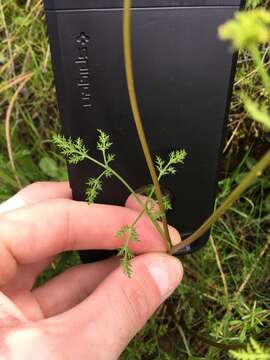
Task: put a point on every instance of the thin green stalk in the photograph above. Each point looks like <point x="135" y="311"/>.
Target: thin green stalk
<point x="101" y="175"/>
<point x="260" y="66"/>
<point x="149" y="197"/>
<point x="130" y="189"/>
<point x="237" y="192"/>
<point x="137" y="218"/>
<point x="137" y="116"/>
<point x="119" y="177"/>
<point x="104" y="157"/>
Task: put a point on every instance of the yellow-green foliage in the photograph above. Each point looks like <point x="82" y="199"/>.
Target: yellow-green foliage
<point x="247" y="28"/>
<point x="246" y="31"/>
<point x="254" y="352"/>
<point x="258" y="113"/>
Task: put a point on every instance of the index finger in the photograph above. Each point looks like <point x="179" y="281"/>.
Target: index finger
<point x="42" y="230"/>
<point x="37" y="192"/>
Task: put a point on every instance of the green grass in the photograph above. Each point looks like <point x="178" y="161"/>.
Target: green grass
<point x="205" y="308"/>
<point x="202" y="307"/>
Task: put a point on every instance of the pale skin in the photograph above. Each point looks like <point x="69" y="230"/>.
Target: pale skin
<point x="91" y="311"/>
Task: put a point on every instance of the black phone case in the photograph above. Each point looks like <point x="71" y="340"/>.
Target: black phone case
<point x="183" y="77"/>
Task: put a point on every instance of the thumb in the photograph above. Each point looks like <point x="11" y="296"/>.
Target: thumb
<point x="120" y="306"/>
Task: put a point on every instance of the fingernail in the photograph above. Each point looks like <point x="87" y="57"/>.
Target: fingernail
<point x="174" y="235"/>
<point x="167" y="272"/>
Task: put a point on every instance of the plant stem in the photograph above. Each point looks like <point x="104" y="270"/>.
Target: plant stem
<point x="101" y="175"/>
<point x="119" y="177"/>
<point x="237" y="192"/>
<point x="138" y="218"/>
<point x="260" y="66"/>
<point x="130" y="189"/>
<point x="104" y="157"/>
<point x="137" y="116"/>
<point x="149" y="198"/>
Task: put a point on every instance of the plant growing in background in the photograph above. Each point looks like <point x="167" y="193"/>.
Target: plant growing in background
<point x="254" y="351"/>
<point x="254" y="3"/>
<point x="248" y="31"/>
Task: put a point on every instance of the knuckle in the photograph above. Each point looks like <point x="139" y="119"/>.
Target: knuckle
<point x="38" y="185"/>
<point x="29" y="193"/>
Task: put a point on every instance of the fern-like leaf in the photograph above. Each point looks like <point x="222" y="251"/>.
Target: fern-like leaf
<point x="94" y="187"/>
<point x="103" y="143"/>
<point x="254" y="351"/>
<point x="129" y="234"/>
<point x="176" y="157"/>
<point x="74" y="150"/>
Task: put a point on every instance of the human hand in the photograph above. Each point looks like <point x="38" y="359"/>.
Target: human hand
<point x="91" y="311"/>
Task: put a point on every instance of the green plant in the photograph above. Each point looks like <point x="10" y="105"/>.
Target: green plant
<point x="253" y="3"/>
<point x="247" y="31"/>
<point x="75" y="152"/>
<point x="253" y="352"/>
